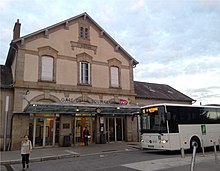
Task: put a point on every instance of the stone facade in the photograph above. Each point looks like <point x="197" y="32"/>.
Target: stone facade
<point x="68" y="44"/>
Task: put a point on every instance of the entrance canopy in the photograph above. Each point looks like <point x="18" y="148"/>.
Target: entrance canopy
<point x="85" y="108"/>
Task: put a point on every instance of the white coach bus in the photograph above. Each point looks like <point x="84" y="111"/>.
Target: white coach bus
<point x="175" y="126"/>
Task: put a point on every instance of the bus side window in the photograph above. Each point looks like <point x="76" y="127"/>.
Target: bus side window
<point x="209" y="115"/>
<point x="218" y="113"/>
<point x="203" y="114"/>
<point x="168" y="116"/>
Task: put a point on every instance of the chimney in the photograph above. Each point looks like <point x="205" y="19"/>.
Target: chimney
<point x="16" y="31"/>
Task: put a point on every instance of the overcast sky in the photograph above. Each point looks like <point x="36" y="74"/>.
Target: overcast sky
<point x="176" y="42"/>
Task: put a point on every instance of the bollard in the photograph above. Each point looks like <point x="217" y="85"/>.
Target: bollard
<point x="216" y="159"/>
<point x="203" y="150"/>
<point x="182" y="153"/>
<point x="218" y="144"/>
<point x="193" y="157"/>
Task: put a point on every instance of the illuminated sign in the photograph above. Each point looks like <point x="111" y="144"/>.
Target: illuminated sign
<point x="44" y="115"/>
<point x="150" y="110"/>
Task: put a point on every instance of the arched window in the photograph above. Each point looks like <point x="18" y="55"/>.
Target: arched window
<point x="47" y="68"/>
<point x="114" y="76"/>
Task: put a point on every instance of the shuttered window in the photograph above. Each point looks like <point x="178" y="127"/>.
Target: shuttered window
<point x="47" y="68"/>
<point x="114" y="77"/>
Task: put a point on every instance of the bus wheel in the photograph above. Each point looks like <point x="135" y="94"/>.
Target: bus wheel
<point x="195" y="140"/>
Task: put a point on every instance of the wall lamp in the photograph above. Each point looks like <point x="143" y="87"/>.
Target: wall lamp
<point x="27" y="92"/>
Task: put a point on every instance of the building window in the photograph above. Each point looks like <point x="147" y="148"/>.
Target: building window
<point x="114" y="76"/>
<point x="84" y="72"/>
<point x="47" y="68"/>
<point x="84" y="32"/>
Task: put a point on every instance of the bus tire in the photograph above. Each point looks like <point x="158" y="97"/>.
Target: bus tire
<point x="197" y="141"/>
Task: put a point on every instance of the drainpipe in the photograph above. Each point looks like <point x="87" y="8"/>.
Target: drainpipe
<point x="16" y="59"/>
<point x="10" y="140"/>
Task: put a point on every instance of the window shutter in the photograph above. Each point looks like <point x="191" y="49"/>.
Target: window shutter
<point x="114" y="77"/>
<point x="86" y="33"/>
<point x="47" y="68"/>
<point x="81" y="32"/>
<point x="88" y="73"/>
<point x="80" y="72"/>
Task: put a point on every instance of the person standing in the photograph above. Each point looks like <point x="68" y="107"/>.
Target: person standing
<point x="86" y="136"/>
<point x="26" y="148"/>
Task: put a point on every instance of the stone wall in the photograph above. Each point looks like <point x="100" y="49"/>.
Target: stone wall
<point x="20" y="129"/>
<point x="65" y="128"/>
<point x="131" y="129"/>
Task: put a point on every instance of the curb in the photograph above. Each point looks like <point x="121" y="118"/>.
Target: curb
<point x="134" y="146"/>
<point x="64" y="156"/>
<point x="40" y="159"/>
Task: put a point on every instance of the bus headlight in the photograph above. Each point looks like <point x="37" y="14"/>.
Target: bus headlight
<point x="163" y="141"/>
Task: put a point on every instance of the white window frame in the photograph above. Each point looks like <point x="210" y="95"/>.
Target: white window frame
<point x="84" y="73"/>
<point x="47" y="67"/>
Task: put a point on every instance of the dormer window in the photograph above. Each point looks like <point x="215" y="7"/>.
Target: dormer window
<point x="84" y="32"/>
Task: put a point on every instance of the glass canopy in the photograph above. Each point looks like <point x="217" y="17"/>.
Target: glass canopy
<point x="71" y="108"/>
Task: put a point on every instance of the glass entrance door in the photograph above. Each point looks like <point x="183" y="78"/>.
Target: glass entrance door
<point x="44" y="130"/>
<point x="79" y="123"/>
<point x="50" y="134"/>
<point x="111" y="129"/>
<point x="119" y="126"/>
<point x="114" y="129"/>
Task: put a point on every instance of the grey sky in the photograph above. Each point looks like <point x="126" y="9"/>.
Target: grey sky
<point x="177" y="42"/>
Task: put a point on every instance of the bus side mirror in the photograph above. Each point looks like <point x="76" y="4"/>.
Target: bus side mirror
<point x="134" y="114"/>
<point x="132" y="119"/>
<point x="168" y="116"/>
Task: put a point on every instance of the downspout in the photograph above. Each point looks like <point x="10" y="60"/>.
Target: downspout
<point x="16" y="58"/>
<point x="10" y="139"/>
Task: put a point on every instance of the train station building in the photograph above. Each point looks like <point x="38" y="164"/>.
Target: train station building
<point x="68" y="76"/>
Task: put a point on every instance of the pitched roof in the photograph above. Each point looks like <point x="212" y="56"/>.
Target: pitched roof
<point x="74" y="18"/>
<point x="6" y="77"/>
<point x="158" y="91"/>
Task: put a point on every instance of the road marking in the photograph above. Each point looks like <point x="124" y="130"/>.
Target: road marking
<point x="157" y="164"/>
<point x="13" y="168"/>
<point x="167" y="163"/>
<point x="71" y="152"/>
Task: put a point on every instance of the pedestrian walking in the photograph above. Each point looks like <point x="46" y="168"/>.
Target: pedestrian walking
<point x="86" y="136"/>
<point x="26" y="148"/>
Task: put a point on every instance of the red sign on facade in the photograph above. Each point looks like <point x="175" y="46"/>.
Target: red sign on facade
<point x="123" y="102"/>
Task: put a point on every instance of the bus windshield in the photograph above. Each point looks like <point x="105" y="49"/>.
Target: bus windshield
<point x="153" y="120"/>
